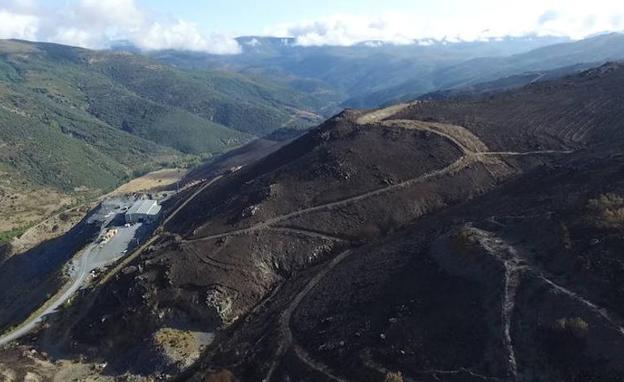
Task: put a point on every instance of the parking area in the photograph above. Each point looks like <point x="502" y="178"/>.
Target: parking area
<point x="115" y="240"/>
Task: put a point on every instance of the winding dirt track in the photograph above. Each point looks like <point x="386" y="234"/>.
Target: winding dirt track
<point x="515" y="266"/>
<point x="601" y="312"/>
<point x="461" y="163"/>
<point x="284" y="321"/>
<point x="474" y="150"/>
<point x="187" y="201"/>
<point x="306" y="232"/>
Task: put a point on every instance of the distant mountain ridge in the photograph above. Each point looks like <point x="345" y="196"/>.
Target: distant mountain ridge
<point x="584" y="53"/>
<point x="346" y="72"/>
<point x="371" y="74"/>
<point x="507" y="43"/>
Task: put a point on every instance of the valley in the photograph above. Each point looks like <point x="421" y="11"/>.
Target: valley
<point x="65" y="142"/>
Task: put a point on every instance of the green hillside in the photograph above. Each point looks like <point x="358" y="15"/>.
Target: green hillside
<point x="239" y="102"/>
<point x="75" y="117"/>
<point x="50" y="144"/>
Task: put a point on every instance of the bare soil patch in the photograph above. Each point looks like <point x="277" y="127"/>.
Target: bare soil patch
<point x="22" y="208"/>
<point x="152" y="180"/>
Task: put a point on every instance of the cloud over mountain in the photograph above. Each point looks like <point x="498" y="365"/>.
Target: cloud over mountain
<point x="17" y="25"/>
<point x="95" y="23"/>
<point x="499" y="19"/>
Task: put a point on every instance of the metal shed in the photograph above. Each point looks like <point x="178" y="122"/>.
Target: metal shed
<point x="143" y="211"/>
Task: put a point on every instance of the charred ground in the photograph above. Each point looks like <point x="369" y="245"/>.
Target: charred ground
<point x="461" y="240"/>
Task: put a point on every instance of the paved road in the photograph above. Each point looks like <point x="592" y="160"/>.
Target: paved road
<point x="68" y="290"/>
<point x="96" y="256"/>
<point x="92" y="257"/>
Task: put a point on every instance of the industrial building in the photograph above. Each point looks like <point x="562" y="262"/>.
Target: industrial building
<point x="143" y="211"/>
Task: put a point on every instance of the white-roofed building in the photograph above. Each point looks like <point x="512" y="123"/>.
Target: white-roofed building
<point x="143" y="211"/>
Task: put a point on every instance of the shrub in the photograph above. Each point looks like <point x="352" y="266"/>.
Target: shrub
<point x="576" y="325"/>
<point x="393" y="377"/>
<point x="465" y="239"/>
<point x="607" y="210"/>
<point x="7" y="236"/>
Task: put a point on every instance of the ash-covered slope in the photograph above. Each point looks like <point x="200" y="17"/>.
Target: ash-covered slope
<point x="572" y="112"/>
<point x="347" y="182"/>
<point x="522" y="284"/>
<point x="378" y="242"/>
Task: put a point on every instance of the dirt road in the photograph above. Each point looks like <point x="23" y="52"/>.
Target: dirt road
<point x="286" y="339"/>
<point x="472" y="147"/>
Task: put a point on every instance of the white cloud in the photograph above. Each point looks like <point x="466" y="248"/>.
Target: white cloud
<point x="183" y="35"/>
<point x="13" y="25"/>
<point x="578" y="22"/>
<point x="479" y="20"/>
<point x="106" y="13"/>
<point x="348" y="29"/>
<point x="95" y="23"/>
<point x="75" y="37"/>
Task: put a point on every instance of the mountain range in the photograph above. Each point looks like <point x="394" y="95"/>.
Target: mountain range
<point x="468" y="239"/>
<point x="76" y="123"/>
<point x="372" y="74"/>
<point x="437" y="211"/>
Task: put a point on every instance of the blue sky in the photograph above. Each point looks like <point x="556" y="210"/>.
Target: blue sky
<point x="211" y="25"/>
<point x="254" y="16"/>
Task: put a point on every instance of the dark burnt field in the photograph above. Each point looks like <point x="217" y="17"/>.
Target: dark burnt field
<point x="460" y="240"/>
